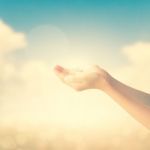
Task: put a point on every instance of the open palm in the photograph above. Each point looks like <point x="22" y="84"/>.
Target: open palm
<point x="80" y="79"/>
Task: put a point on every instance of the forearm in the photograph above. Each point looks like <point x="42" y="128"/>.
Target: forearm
<point x="130" y="99"/>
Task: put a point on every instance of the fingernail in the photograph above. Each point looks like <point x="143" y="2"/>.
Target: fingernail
<point x="59" y="68"/>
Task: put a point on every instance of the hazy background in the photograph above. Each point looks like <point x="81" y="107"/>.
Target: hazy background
<point x="37" y="111"/>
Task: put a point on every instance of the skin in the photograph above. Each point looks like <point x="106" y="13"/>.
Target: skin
<point x="94" y="77"/>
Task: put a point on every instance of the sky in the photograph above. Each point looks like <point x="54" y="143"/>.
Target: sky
<point x="108" y="24"/>
<point x="36" y="35"/>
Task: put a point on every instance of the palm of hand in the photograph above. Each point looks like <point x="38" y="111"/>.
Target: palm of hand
<point x="79" y="79"/>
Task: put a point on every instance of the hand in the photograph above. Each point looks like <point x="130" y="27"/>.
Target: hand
<point x="91" y="78"/>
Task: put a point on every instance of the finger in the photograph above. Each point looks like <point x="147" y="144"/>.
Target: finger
<point x="60" y="71"/>
<point x="59" y="68"/>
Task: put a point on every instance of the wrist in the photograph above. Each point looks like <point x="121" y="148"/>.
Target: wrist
<point x="105" y="81"/>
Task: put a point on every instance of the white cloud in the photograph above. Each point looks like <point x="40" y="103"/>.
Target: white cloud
<point x="9" y="39"/>
<point x="31" y="92"/>
<point x="136" y="71"/>
<point x="138" y="53"/>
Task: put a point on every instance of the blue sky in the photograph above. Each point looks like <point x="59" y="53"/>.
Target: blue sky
<point x="125" y="17"/>
<point x="113" y="23"/>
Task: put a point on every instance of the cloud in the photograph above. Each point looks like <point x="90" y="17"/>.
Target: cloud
<point x="30" y="92"/>
<point x="138" y="53"/>
<point x="136" y="71"/>
<point x="10" y="40"/>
